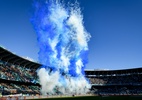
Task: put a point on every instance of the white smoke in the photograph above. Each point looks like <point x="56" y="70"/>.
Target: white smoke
<point x="71" y="85"/>
<point x="48" y="82"/>
<point x="73" y="40"/>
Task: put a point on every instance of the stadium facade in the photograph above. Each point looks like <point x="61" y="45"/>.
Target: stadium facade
<point x="18" y="76"/>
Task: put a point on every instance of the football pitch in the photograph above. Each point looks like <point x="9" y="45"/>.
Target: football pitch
<point x="96" y="98"/>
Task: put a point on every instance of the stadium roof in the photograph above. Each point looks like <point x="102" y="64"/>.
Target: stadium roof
<point x="10" y="57"/>
<point x="111" y="72"/>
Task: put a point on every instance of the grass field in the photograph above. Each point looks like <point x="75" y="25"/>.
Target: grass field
<point x="97" y="98"/>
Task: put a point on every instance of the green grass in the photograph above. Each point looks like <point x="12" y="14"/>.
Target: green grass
<point x="96" y="98"/>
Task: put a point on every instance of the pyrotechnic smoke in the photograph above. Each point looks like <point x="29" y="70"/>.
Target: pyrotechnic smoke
<point x="63" y="46"/>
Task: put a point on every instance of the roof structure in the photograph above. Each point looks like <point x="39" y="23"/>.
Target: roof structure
<point x="112" y="72"/>
<point x="10" y="57"/>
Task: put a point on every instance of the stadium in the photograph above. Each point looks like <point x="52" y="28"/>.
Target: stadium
<point x="18" y="80"/>
<point x="64" y="50"/>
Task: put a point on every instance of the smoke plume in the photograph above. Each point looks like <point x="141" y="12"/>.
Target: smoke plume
<point x="63" y="47"/>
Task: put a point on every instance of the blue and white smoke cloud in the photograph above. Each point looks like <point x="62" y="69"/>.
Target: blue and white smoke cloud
<point x="63" y="47"/>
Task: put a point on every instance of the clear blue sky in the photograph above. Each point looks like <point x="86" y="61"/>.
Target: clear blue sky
<point x="115" y="27"/>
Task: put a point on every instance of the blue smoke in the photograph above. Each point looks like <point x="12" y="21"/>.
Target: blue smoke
<point x="62" y="41"/>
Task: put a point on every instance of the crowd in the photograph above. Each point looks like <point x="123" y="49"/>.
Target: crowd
<point x="119" y="84"/>
<point x="117" y="80"/>
<point x="21" y="74"/>
<point x="17" y="73"/>
<point x="118" y="90"/>
<point x="11" y="88"/>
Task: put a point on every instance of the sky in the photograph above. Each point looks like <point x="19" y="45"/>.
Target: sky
<point x="115" y="27"/>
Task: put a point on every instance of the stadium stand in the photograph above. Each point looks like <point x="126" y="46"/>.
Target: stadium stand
<point x="18" y="76"/>
<point x="116" y="82"/>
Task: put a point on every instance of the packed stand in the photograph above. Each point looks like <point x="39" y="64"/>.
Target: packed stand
<point x="17" y="73"/>
<point x="11" y="88"/>
<point x="128" y="84"/>
<point x="118" y="90"/>
<point x="135" y="79"/>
